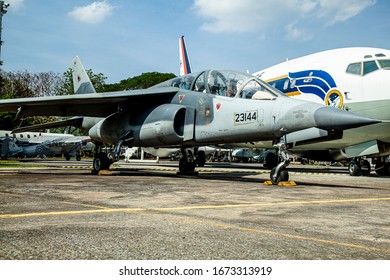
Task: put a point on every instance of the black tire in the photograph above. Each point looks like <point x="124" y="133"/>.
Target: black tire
<point x="186" y="167"/>
<point x="100" y="162"/>
<point x="354" y="169"/>
<point x="283" y="176"/>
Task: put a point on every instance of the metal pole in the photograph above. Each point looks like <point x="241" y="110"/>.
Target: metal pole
<point x="3" y="11"/>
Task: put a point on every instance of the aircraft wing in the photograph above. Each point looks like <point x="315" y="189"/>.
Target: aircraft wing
<point x="89" y="105"/>
<point x="40" y="127"/>
<point x="77" y="139"/>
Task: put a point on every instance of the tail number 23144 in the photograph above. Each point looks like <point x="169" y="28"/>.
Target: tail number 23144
<point x="245" y="117"/>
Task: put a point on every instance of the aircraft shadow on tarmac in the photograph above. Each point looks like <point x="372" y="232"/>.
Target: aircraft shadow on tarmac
<point x="232" y="176"/>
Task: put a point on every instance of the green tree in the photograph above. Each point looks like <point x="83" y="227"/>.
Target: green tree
<point x="98" y="81"/>
<point x="145" y="80"/>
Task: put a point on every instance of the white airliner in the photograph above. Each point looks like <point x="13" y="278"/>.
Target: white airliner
<point x="352" y="79"/>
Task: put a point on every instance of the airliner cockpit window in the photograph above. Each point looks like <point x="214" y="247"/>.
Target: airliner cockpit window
<point x="384" y="63"/>
<point x="369" y="66"/>
<point x="355" y="68"/>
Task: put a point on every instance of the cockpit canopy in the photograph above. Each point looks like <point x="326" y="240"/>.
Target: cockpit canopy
<point x="225" y="83"/>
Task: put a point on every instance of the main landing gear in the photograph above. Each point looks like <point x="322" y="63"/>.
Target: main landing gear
<point x="102" y="160"/>
<point x="360" y="166"/>
<point x="279" y="173"/>
<point x="382" y="167"/>
<point x="187" y="163"/>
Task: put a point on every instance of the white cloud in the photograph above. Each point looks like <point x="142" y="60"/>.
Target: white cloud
<point x="296" y="34"/>
<point x="337" y="10"/>
<point x="261" y="16"/>
<point x="93" y="13"/>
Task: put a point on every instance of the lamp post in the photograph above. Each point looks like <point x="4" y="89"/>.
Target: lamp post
<point x="3" y="11"/>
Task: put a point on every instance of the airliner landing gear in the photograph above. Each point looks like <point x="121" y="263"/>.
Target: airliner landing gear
<point x="382" y="167"/>
<point x="359" y="167"/>
<point x="187" y="163"/>
<point x="279" y="173"/>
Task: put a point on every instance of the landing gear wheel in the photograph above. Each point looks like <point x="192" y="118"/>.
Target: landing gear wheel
<point x="354" y="169"/>
<point x="186" y="167"/>
<point x="100" y="162"/>
<point x="282" y="176"/>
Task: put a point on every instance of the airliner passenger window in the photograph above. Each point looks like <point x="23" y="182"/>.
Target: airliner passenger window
<point x="370" y="66"/>
<point x="355" y="68"/>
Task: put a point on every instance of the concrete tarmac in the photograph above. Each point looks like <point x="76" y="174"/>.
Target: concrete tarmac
<point x="147" y="211"/>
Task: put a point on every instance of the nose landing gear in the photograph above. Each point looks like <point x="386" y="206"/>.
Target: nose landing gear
<point x="279" y="173"/>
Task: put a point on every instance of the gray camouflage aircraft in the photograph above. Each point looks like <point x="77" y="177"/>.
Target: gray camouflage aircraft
<point x="206" y="108"/>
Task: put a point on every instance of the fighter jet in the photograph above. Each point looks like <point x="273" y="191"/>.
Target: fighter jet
<point x="205" y="108"/>
<point x="354" y="79"/>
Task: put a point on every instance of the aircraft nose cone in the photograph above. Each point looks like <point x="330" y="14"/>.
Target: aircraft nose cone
<point x="332" y="118"/>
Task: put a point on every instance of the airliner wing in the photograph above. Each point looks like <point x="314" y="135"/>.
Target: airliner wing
<point x="89" y="105"/>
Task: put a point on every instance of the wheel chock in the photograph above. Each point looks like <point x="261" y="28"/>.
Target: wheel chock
<point x="104" y="173"/>
<point x="281" y="184"/>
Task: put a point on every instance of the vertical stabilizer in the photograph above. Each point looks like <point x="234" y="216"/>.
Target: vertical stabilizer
<point x="81" y="81"/>
<point x="185" y="63"/>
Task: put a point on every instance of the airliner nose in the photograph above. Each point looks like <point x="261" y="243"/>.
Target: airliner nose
<point x="332" y="118"/>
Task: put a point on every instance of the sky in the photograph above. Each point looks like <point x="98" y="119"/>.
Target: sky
<point x="125" y="38"/>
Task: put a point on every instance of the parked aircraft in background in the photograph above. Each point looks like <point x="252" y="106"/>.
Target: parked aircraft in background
<point x="199" y="109"/>
<point x="351" y="79"/>
<point x="38" y="144"/>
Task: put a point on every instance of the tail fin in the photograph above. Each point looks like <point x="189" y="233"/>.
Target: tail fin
<point x="81" y="81"/>
<point x="185" y="63"/>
